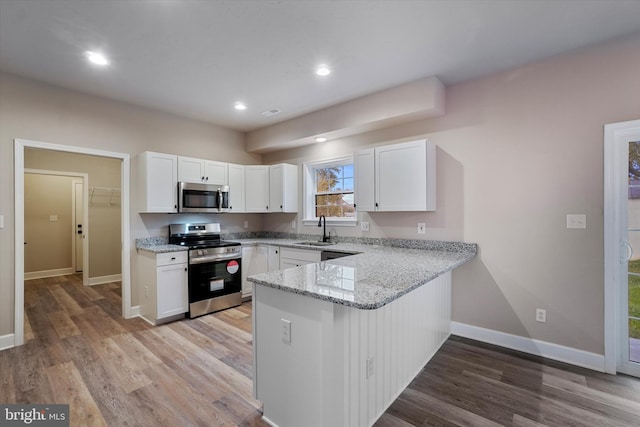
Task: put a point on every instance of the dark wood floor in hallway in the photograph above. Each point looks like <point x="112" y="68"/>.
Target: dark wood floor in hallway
<point x="197" y="372"/>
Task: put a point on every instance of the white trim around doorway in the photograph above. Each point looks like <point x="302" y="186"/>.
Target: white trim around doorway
<point x="20" y="145"/>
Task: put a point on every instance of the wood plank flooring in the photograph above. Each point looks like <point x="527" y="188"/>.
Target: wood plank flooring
<point x="117" y="372"/>
<point x="475" y="384"/>
<point x="197" y="372"/>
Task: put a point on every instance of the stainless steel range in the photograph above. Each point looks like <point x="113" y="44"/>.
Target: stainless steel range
<point x="215" y="265"/>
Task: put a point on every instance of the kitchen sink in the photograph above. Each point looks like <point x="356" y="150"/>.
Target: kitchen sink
<point x="315" y="243"/>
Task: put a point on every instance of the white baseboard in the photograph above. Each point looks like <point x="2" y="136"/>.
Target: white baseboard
<point x="48" y="273"/>
<point x="134" y="312"/>
<point x="7" y="341"/>
<point x="549" y="350"/>
<point x="105" y="279"/>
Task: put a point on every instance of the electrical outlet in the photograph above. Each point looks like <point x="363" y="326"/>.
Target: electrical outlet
<point x="293" y="224"/>
<point x="364" y="226"/>
<point x="422" y="228"/>
<point x="541" y="315"/>
<point x="286" y="331"/>
<point x="53" y="218"/>
<point x="246" y="224"/>
<point x="370" y="367"/>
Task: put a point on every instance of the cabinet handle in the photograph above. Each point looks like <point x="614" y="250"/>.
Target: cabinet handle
<point x="202" y="179"/>
<point x="173" y="258"/>
<point x="267" y="207"/>
<point x="185" y="269"/>
<point x="280" y="206"/>
<point x="376" y="204"/>
<point x="207" y="179"/>
<point x="230" y="207"/>
<point x="354" y="206"/>
<point x="276" y="251"/>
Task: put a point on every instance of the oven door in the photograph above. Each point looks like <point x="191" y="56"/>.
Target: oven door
<point x="214" y="279"/>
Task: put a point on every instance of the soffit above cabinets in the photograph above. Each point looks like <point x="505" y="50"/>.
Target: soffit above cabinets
<point x="416" y="100"/>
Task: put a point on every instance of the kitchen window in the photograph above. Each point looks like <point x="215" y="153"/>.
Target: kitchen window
<point x="329" y="191"/>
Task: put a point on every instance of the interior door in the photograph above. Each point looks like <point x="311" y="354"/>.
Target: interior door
<point x="78" y="230"/>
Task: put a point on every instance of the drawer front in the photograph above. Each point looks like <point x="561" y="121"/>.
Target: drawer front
<point x="300" y="254"/>
<point x="170" y="258"/>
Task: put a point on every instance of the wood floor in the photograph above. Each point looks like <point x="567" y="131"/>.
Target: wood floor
<point x="118" y="372"/>
<point x="197" y="372"/>
<point x="474" y="384"/>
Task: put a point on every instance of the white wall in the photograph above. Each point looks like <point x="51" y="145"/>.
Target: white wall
<point x="517" y="152"/>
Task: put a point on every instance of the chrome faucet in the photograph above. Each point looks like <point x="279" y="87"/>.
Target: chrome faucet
<point x="325" y="238"/>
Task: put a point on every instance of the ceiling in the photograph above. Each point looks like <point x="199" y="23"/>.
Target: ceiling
<point x="196" y="58"/>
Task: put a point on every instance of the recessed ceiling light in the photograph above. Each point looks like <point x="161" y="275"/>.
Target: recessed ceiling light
<point x="323" y="70"/>
<point x="96" y="58"/>
<point x="321" y="139"/>
<point x="240" y="106"/>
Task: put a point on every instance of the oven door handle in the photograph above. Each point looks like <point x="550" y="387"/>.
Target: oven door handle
<point x="213" y="258"/>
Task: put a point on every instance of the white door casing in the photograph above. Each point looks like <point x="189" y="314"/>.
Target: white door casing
<point x="616" y="151"/>
<point x="19" y="146"/>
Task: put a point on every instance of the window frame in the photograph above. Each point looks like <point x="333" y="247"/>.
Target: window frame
<point x="309" y="190"/>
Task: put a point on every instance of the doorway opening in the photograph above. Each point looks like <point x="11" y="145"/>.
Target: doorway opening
<point x="622" y="247"/>
<point x="55" y="203"/>
<point x="124" y="235"/>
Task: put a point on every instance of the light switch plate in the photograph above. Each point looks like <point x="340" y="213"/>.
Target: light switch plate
<point x="246" y="224"/>
<point x="576" y="221"/>
<point x="53" y="218"/>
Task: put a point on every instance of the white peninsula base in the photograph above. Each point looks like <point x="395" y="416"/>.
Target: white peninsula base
<point x="343" y="366"/>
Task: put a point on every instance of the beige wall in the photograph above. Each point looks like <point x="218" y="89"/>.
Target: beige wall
<point x="48" y="243"/>
<point x="517" y="152"/>
<point x="104" y="218"/>
<point x="39" y="112"/>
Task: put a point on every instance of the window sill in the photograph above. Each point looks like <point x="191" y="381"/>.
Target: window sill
<point x="332" y="222"/>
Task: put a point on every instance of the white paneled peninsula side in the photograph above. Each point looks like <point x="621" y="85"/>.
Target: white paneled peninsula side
<point x="336" y="341"/>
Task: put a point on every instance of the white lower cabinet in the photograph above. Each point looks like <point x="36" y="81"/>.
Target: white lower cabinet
<point x="297" y="257"/>
<point x="163" y="281"/>
<point x="254" y="261"/>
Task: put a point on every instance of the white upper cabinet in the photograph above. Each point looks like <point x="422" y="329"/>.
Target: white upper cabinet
<point x="256" y="194"/>
<point x="402" y="177"/>
<point x="236" y="188"/>
<point x="202" y="171"/>
<point x="283" y="188"/>
<point x="364" y="191"/>
<point x="157" y="182"/>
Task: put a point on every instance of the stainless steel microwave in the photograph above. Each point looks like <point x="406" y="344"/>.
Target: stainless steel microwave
<point x="208" y="198"/>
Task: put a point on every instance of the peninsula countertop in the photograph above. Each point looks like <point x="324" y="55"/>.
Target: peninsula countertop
<point x="370" y="279"/>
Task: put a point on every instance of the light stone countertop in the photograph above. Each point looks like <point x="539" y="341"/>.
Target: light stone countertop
<point x="376" y="275"/>
<point x="372" y="278"/>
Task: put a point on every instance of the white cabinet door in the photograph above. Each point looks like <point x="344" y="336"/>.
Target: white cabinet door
<point x="273" y="258"/>
<point x="254" y="261"/>
<point x="190" y="170"/>
<point x="275" y="188"/>
<point x="172" y="292"/>
<point x="215" y="172"/>
<point x="283" y="188"/>
<point x="365" y="180"/>
<point x="236" y="188"/>
<point x="401" y="180"/>
<point x="157" y="182"/>
<point x="256" y="196"/>
<point x="398" y="177"/>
